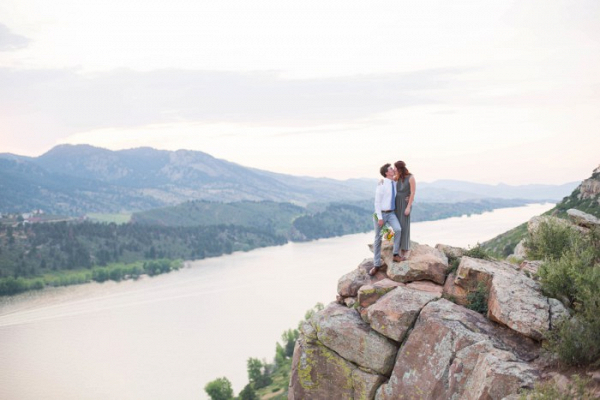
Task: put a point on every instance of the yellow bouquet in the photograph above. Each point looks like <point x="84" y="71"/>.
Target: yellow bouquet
<point x="386" y="231"/>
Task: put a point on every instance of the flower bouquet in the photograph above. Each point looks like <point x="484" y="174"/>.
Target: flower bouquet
<point x="387" y="232"/>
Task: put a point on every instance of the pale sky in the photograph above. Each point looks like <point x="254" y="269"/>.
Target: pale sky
<point x="484" y="91"/>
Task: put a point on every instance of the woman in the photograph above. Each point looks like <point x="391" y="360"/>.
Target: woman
<point x="405" y="194"/>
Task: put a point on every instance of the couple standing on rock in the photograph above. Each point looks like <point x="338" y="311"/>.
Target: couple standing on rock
<point x="393" y="201"/>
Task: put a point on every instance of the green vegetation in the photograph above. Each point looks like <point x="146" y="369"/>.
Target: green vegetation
<point x="219" y="389"/>
<point x="30" y="252"/>
<point x="268" y="216"/>
<point x="336" y="220"/>
<point x="550" y="241"/>
<point x="478" y="252"/>
<point x="477" y="300"/>
<point x="575" y="390"/>
<point x="504" y="244"/>
<point x="453" y="262"/>
<point x="114" y="272"/>
<point x="571" y="273"/>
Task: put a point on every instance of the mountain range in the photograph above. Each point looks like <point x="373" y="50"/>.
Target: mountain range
<point x="78" y="179"/>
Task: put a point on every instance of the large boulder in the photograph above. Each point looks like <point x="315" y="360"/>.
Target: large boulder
<point x="520" y="251"/>
<point x="349" y="284"/>
<point x="395" y="313"/>
<point x="320" y="373"/>
<point x="427" y="286"/>
<point x="514" y="299"/>
<point x="342" y="330"/>
<point x="456" y="353"/>
<point x="558" y="312"/>
<point x="369" y="294"/>
<point x="454" y="292"/>
<point x="583" y="219"/>
<point x="517" y="302"/>
<point x="424" y="263"/>
<point x="474" y="272"/>
<point x="530" y="268"/>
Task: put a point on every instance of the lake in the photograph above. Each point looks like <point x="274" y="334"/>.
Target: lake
<point x="165" y="337"/>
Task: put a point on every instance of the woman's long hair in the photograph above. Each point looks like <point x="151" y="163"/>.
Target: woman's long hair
<point x="403" y="172"/>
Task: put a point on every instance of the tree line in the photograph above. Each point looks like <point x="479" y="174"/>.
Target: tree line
<point x="34" y="250"/>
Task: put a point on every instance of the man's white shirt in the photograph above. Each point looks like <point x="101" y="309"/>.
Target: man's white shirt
<point x="383" y="196"/>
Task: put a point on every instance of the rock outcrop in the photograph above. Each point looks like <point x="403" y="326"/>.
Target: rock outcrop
<point x="590" y="188"/>
<point x="393" y="336"/>
<point x="583" y="219"/>
<point x="453" y="352"/>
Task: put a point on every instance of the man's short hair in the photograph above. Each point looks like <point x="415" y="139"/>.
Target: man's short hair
<point x="383" y="170"/>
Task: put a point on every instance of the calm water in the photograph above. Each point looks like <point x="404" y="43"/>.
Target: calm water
<point x="166" y="337"/>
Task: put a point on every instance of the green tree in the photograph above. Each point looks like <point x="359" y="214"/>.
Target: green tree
<point x="248" y="393"/>
<point x="289" y="338"/>
<point x="254" y="369"/>
<point x="279" y="354"/>
<point x="219" y="389"/>
<point x="258" y="373"/>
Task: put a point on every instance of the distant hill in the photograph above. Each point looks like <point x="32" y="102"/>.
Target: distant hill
<point x="442" y="190"/>
<point x="79" y="179"/>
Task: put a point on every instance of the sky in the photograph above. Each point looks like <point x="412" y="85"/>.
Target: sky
<point x="483" y="91"/>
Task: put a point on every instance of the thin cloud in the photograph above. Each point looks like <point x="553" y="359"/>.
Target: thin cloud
<point x="125" y="98"/>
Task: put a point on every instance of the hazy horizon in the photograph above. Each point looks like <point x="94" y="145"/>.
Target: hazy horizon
<point x="482" y="92"/>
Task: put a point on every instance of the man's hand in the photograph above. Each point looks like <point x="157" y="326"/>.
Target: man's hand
<point x="380" y="223"/>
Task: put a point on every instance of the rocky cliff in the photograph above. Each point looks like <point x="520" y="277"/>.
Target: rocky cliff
<point x="586" y="197"/>
<point x="406" y="334"/>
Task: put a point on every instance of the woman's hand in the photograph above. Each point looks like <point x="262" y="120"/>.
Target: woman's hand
<point x="407" y="211"/>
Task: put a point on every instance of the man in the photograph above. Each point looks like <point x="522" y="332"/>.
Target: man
<point x="385" y="204"/>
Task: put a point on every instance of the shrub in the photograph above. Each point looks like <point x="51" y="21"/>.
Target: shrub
<point x="219" y="389"/>
<point x="572" y="274"/>
<point x="576" y="341"/>
<point x="569" y="276"/>
<point x="477" y="300"/>
<point x="453" y="263"/>
<point x="478" y="252"/>
<point x="550" y="240"/>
